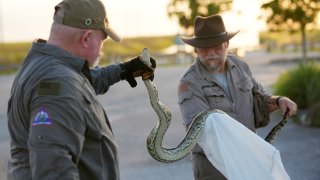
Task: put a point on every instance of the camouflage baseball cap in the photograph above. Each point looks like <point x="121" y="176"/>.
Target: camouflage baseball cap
<point x="85" y="14"/>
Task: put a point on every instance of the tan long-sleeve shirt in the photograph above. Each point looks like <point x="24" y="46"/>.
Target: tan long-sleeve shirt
<point x="199" y="90"/>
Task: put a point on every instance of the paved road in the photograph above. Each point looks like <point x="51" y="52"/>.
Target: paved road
<point x="132" y="118"/>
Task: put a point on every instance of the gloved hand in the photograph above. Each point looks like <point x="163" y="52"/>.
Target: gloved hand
<point x="135" y="68"/>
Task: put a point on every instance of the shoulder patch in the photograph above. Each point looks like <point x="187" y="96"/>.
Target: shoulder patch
<point x="49" y="88"/>
<point x="42" y="118"/>
<point x="183" y="87"/>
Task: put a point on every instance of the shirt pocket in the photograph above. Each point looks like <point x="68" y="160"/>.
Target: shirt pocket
<point x="245" y="85"/>
<point x="92" y="108"/>
<point x="213" y="91"/>
<point x="245" y="96"/>
<point x="216" y="98"/>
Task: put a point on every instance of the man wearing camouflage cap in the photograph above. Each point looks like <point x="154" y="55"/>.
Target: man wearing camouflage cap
<point x="58" y="128"/>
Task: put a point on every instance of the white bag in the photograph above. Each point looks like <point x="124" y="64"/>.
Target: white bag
<point x="238" y="153"/>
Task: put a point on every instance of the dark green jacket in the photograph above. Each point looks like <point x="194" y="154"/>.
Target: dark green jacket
<point x="58" y="128"/>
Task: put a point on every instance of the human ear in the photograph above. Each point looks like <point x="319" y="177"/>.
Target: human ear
<point x="86" y="38"/>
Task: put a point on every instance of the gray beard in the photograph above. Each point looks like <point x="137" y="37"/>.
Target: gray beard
<point x="96" y="61"/>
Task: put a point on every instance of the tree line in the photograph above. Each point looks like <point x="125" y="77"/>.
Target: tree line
<point x="281" y="15"/>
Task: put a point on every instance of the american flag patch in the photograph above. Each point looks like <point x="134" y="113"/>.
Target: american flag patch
<point x="49" y="88"/>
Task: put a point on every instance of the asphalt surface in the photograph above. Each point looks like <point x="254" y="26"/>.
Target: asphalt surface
<point x="132" y="118"/>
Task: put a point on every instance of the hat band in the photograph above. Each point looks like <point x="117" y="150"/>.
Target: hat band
<point x="211" y="36"/>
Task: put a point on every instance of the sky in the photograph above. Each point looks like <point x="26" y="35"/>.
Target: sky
<point x="25" y="20"/>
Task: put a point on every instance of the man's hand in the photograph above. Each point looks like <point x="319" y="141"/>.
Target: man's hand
<point x="135" y="68"/>
<point x="286" y="104"/>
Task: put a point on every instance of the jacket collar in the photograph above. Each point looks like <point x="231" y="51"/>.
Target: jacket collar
<point x="77" y="63"/>
<point x="65" y="57"/>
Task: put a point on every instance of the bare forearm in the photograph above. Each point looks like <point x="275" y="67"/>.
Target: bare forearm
<point x="273" y="103"/>
<point x="283" y="103"/>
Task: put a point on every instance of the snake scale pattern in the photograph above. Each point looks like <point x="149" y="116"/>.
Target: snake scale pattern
<point x="271" y="137"/>
<point x="154" y="140"/>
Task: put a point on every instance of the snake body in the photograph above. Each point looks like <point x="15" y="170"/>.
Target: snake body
<point x="271" y="137"/>
<point x="155" y="138"/>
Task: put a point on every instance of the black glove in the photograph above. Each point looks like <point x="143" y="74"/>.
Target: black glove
<point x="136" y="67"/>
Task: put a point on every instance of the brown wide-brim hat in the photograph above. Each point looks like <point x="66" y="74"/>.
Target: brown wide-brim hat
<point x="208" y="32"/>
<point x="85" y="14"/>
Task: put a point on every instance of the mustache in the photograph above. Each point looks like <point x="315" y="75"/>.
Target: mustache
<point x="213" y="58"/>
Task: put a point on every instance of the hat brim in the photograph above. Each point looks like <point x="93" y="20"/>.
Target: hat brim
<point x="208" y="41"/>
<point x="112" y="34"/>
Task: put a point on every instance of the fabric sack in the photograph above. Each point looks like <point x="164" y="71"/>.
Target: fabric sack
<point x="261" y="114"/>
<point x="237" y="152"/>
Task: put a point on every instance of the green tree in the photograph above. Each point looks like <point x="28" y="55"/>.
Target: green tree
<point x="293" y="15"/>
<point x="187" y="10"/>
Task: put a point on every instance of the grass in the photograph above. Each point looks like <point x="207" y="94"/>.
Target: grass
<point x="132" y="47"/>
<point x="12" y="54"/>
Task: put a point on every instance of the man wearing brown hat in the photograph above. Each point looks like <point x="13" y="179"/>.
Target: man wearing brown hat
<point x="58" y="128"/>
<point x="219" y="81"/>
